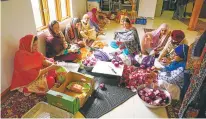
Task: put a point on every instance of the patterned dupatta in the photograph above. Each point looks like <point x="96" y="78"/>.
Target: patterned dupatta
<point x="196" y="82"/>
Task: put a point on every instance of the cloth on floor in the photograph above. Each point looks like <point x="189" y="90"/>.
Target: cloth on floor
<point x="16" y="104"/>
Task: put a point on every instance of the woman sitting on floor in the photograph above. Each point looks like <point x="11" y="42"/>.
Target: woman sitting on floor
<point x="98" y="29"/>
<point x="99" y="18"/>
<point x="194" y="88"/>
<point x="56" y="45"/>
<point x="153" y="42"/>
<point x="72" y="32"/>
<point x="172" y="76"/>
<point x="88" y="33"/>
<point x="33" y="73"/>
<point x="127" y="40"/>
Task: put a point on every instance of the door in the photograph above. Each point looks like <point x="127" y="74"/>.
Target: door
<point x="147" y="8"/>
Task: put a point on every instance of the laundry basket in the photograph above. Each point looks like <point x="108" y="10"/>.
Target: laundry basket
<point x="45" y="110"/>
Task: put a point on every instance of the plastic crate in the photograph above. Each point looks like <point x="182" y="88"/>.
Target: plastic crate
<point x="45" y="110"/>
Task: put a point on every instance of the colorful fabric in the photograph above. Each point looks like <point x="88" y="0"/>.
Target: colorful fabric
<point x="114" y="45"/>
<point x="27" y="64"/>
<point x="130" y="39"/>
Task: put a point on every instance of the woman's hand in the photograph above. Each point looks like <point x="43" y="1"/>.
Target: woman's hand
<point x="61" y="34"/>
<point x="65" y="45"/>
<point x="54" y="66"/>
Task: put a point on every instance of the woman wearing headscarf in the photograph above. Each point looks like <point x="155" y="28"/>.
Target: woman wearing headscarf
<point x="88" y="32"/>
<point x="176" y="38"/>
<point x="153" y="42"/>
<point x="94" y="24"/>
<point x="98" y="18"/>
<point x="33" y="73"/>
<point x="72" y="32"/>
<point x="56" y="45"/>
<point x="194" y="89"/>
<point x="127" y="40"/>
<point x="171" y="77"/>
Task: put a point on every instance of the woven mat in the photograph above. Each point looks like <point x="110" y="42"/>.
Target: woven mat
<point x="148" y="30"/>
<point x="103" y="101"/>
<point x="201" y="26"/>
<point x="15" y="104"/>
<point x="173" y="109"/>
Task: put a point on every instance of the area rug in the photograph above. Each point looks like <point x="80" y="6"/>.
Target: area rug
<point x="148" y="30"/>
<point x="173" y="109"/>
<point x="103" y="101"/>
<point x="201" y="26"/>
<point x="15" y="104"/>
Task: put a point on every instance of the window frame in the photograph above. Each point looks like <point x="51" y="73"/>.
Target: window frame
<point x="45" y="16"/>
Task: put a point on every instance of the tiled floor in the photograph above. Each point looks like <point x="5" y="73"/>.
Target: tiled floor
<point x="134" y="108"/>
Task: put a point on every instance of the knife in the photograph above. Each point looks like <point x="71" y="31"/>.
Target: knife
<point x="112" y="69"/>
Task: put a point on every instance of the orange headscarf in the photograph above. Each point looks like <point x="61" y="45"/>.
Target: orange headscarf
<point x="27" y="64"/>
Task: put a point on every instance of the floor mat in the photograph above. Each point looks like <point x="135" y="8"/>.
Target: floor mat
<point x="201" y="26"/>
<point x="148" y="30"/>
<point x="15" y="104"/>
<point x="173" y="109"/>
<point x="103" y="101"/>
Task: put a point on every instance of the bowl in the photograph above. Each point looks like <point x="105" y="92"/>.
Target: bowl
<point x="153" y="86"/>
<point x="88" y="68"/>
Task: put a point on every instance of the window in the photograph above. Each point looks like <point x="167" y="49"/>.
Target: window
<point x="52" y="10"/>
<point x="37" y="13"/>
<point x="45" y="11"/>
<point x="63" y="8"/>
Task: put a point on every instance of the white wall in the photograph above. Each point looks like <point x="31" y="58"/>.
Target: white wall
<point x="78" y="8"/>
<point x="17" y="20"/>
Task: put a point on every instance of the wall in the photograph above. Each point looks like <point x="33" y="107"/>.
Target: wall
<point x="16" y="23"/>
<point x="76" y="9"/>
<point x="17" y="20"/>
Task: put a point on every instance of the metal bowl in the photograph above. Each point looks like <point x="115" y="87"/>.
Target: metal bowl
<point x="153" y="86"/>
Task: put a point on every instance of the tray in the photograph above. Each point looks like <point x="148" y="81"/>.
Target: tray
<point x="45" y="110"/>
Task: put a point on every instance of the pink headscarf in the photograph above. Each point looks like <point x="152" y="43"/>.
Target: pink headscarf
<point x="156" y="34"/>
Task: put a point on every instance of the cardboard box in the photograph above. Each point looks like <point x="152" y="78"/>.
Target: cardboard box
<point x="63" y="101"/>
<point x="67" y="99"/>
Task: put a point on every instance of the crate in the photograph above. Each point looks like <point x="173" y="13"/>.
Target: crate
<point x="45" y="110"/>
<point x="67" y="100"/>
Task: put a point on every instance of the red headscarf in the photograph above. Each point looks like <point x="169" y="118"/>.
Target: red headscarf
<point x="93" y="16"/>
<point x="27" y="64"/>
